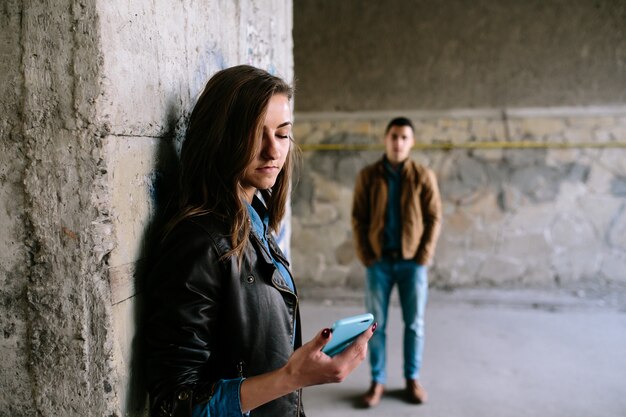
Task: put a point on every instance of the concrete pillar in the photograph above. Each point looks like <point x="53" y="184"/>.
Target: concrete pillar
<point x="95" y="98"/>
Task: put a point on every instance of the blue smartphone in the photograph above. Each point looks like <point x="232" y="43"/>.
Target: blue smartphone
<point x="345" y="331"/>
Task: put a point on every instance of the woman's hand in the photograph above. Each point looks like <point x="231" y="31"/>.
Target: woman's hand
<point x="307" y="366"/>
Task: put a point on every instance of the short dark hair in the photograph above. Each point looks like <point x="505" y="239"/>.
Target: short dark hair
<point x="400" y="121"/>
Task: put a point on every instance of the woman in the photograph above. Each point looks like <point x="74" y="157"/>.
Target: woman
<point x="223" y="327"/>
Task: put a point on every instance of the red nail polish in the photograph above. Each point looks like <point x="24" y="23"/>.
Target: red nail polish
<point x="374" y="326"/>
<point x="325" y="333"/>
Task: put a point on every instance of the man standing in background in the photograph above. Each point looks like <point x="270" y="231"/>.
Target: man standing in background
<point x="396" y="219"/>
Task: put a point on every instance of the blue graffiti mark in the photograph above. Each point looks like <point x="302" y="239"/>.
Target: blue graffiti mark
<point x="154" y="180"/>
<point x="209" y="61"/>
<point x="219" y="59"/>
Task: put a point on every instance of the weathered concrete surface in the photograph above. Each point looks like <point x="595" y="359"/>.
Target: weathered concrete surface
<point x="156" y="59"/>
<point x="14" y="258"/>
<point x="95" y="99"/>
<point x="491" y="353"/>
<point x="61" y="359"/>
<point x="422" y="55"/>
<point x="514" y="217"/>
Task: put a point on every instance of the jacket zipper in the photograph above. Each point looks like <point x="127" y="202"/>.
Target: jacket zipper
<point x="240" y="369"/>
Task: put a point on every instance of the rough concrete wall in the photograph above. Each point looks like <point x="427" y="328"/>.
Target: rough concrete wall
<point x="425" y="55"/>
<point x="96" y="95"/>
<point x="157" y="56"/>
<point x="61" y="361"/>
<point x="14" y="377"/>
<point x="512" y="217"/>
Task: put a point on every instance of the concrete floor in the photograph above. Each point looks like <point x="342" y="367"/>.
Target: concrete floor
<point x="491" y="353"/>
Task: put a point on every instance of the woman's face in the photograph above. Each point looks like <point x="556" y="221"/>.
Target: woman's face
<point x="262" y="172"/>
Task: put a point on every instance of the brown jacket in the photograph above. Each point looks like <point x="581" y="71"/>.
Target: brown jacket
<point x="420" y="208"/>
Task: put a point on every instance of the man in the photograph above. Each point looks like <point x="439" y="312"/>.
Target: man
<point x="396" y="219"/>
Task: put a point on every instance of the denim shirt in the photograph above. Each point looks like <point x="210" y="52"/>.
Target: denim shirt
<point x="225" y="400"/>
<point x="260" y="223"/>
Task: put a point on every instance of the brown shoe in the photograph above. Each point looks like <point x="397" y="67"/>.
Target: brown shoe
<point x="373" y="395"/>
<point x="416" y="392"/>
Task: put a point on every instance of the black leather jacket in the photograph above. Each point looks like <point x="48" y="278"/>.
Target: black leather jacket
<point x="207" y="319"/>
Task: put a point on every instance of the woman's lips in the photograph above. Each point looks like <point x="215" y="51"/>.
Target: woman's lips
<point x="267" y="169"/>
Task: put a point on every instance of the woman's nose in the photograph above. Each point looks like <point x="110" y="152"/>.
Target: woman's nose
<point x="270" y="148"/>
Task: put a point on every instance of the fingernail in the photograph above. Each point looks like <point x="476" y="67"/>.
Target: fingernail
<point x="325" y="333"/>
<point x="374" y="326"/>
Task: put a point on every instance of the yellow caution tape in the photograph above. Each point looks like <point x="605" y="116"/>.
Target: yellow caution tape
<point x="307" y="147"/>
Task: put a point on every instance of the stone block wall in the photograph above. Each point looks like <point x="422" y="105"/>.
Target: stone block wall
<point x="531" y="197"/>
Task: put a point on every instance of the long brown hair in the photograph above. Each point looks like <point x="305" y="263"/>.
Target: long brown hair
<point x="222" y="139"/>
